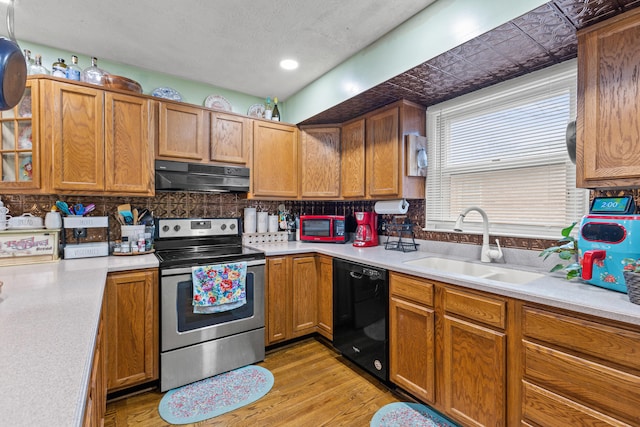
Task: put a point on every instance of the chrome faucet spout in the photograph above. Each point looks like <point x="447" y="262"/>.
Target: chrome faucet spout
<point x="486" y="254"/>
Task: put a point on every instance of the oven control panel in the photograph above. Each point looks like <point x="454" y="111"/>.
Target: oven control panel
<point x="196" y="227"/>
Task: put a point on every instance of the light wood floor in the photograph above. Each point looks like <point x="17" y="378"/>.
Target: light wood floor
<point x="314" y="386"/>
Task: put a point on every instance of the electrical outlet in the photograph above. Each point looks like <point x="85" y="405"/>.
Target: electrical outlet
<point x="79" y="232"/>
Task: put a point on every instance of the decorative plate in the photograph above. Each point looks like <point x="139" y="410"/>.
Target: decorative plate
<point x="218" y="102"/>
<point x="256" y="110"/>
<point x="167" y="93"/>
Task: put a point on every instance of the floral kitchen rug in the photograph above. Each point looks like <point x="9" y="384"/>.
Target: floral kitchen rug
<point x="405" y="414"/>
<point x="216" y="395"/>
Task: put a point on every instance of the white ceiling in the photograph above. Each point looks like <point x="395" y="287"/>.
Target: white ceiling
<point x="234" y="44"/>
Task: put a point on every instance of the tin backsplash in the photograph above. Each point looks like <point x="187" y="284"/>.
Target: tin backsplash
<point x="225" y="205"/>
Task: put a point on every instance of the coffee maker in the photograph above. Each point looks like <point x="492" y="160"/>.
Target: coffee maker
<point x="367" y="230"/>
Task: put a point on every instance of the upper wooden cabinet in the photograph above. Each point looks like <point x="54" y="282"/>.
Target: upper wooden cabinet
<point x="230" y="137"/>
<point x="181" y="132"/>
<point x="128" y="149"/>
<point x="94" y="141"/>
<point x="21" y="164"/>
<point x="608" y="120"/>
<point x="352" y="179"/>
<point x="320" y="162"/>
<point x="275" y="160"/>
<point x="386" y="152"/>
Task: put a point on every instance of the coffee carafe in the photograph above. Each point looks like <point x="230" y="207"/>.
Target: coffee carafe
<point x="366" y="232"/>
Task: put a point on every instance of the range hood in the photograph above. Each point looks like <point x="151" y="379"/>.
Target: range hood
<point x="179" y="176"/>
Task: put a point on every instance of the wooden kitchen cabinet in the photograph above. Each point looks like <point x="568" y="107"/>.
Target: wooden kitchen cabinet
<point x="412" y="335"/>
<point x="95" y="141"/>
<point x="96" y="401"/>
<point x="20" y="160"/>
<point x="275" y="160"/>
<point x="386" y="152"/>
<point x="325" y="296"/>
<point x="182" y="133"/>
<point x="230" y="137"/>
<point x="352" y="175"/>
<point x="578" y="371"/>
<point x="132" y="347"/>
<point x="608" y="117"/>
<point x="129" y="165"/>
<point x="291" y="297"/>
<point x="474" y="358"/>
<point x="73" y="134"/>
<point x="320" y="162"/>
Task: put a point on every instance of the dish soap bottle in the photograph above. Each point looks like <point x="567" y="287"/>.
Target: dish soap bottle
<point x="276" y="113"/>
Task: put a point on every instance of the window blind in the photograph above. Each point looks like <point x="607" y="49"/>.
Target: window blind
<point x="503" y="148"/>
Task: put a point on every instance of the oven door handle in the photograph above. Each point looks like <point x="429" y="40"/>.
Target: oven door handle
<point x="184" y="270"/>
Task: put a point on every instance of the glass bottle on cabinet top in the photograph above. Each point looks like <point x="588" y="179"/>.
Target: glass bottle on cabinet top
<point x="16" y="144"/>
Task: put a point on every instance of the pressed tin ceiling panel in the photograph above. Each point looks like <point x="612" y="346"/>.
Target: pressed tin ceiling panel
<point x="535" y="40"/>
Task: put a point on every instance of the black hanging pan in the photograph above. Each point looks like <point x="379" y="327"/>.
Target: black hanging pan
<point x="13" y="69"/>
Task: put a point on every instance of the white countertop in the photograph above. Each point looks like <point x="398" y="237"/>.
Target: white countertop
<point x="552" y="290"/>
<point x="49" y="316"/>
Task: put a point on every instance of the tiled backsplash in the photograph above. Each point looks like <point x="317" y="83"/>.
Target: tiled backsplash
<point x="212" y="205"/>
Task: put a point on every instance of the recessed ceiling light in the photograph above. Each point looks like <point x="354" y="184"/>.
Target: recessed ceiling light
<point x="289" y="64"/>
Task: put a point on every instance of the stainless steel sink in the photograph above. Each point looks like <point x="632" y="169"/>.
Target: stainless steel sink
<point x="482" y="271"/>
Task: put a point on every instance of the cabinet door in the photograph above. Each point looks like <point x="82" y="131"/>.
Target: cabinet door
<point x="74" y="117"/>
<point x="304" y="295"/>
<point x="608" y="118"/>
<point x="128" y="150"/>
<point x="412" y="347"/>
<point x="132" y="328"/>
<point x="181" y="134"/>
<point x="277" y="299"/>
<point x="353" y="160"/>
<point x="275" y="160"/>
<point x="325" y="296"/>
<point x="383" y="154"/>
<point x="230" y="138"/>
<point x="474" y="373"/>
<point x="20" y="165"/>
<point x="320" y="163"/>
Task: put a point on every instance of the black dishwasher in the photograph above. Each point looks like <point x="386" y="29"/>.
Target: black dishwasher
<point x="360" y="301"/>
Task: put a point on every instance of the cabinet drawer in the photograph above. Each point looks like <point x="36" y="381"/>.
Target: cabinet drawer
<point x="489" y="311"/>
<point x="592" y="384"/>
<point x="541" y="407"/>
<point x="411" y="288"/>
<point x="615" y="345"/>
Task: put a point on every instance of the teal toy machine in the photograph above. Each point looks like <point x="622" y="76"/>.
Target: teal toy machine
<point x="608" y="234"/>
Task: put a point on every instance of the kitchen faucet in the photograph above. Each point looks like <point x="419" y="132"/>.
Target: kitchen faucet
<point x="486" y="254"/>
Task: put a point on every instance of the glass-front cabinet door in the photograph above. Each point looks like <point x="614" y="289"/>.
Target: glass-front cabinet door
<point x="19" y="144"/>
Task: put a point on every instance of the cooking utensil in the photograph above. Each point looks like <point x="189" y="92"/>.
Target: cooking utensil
<point x="63" y="207"/>
<point x="78" y="208"/>
<point x="89" y="208"/>
<point x="135" y="216"/>
<point x="13" y="68"/>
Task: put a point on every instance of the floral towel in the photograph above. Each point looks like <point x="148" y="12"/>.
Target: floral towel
<point x="219" y="287"/>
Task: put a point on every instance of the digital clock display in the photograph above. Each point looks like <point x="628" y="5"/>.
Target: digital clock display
<point x="613" y="205"/>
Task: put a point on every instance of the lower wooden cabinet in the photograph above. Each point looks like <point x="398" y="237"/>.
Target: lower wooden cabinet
<point x="412" y="336"/>
<point x="579" y="371"/>
<point x="325" y="296"/>
<point x="132" y="349"/>
<point x="291" y="297"/>
<point x="96" y="402"/>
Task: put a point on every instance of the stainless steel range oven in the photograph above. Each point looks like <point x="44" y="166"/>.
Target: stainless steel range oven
<point x="194" y="346"/>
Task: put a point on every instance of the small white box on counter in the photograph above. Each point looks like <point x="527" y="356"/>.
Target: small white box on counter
<point x="86" y="250"/>
<point x="28" y="246"/>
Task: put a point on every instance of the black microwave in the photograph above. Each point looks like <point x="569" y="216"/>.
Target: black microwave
<point x="323" y="228"/>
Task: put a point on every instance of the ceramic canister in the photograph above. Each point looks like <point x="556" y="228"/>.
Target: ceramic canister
<point x="53" y="220"/>
<point x="262" y="222"/>
<point x="273" y="223"/>
<point x="249" y="220"/>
